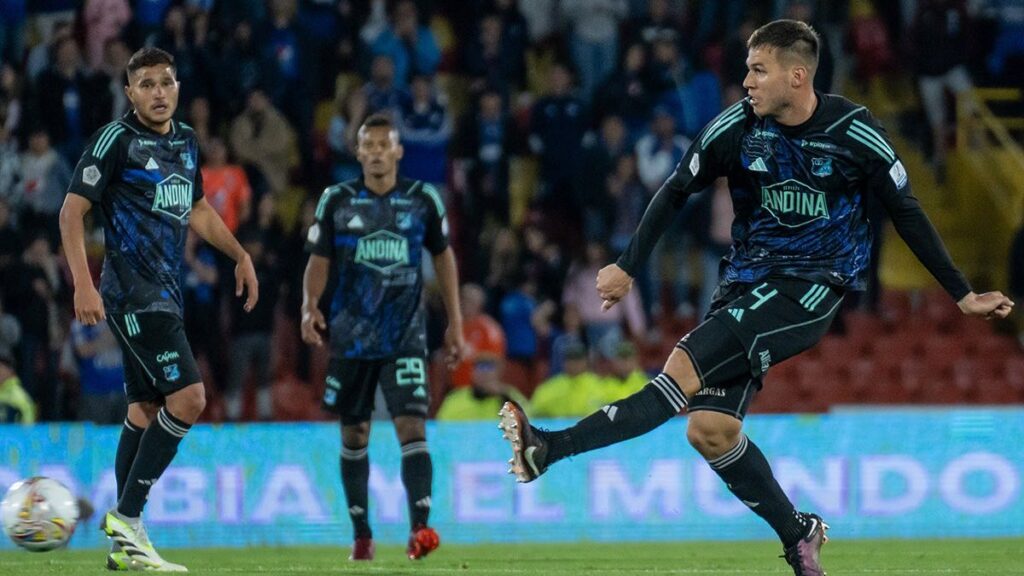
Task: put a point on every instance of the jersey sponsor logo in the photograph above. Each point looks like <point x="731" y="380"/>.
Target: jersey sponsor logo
<point x="821" y="166"/>
<point x="818" y="145"/>
<point x="794" y="203"/>
<point x="91" y="175"/>
<point x="695" y="164"/>
<point x="898" y="174"/>
<point x="152" y="165"/>
<point x="314" y="233"/>
<point x="383" y="251"/>
<point x="167" y="356"/>
<point x="173" y="197"/>
<point x="145" y="142"/>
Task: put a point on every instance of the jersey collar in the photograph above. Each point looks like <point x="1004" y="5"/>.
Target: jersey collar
<point x="137" y="124"/>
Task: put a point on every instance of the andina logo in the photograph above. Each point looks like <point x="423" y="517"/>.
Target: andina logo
<point x="167" y="356"/>
<point x="173" y="197"/>
<point x="382" y="251"/>
<point x="794" y="203"/>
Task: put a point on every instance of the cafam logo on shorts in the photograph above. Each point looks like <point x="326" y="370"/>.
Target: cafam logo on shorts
<point x="167" y="356"/>
<point x="173" y="197"/>
<point x="794" y="203"/>
<point x="383" y="251"/>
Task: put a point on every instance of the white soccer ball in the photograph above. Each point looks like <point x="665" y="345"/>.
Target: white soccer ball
<point x="39" y="514"/>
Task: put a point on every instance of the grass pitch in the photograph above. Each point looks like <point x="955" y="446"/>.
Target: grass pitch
<point x="990" y="557"/>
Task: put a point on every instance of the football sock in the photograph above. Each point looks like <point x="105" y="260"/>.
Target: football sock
<point x="355" y="479"/>
<point x="127" y="448"/>
<point x="746" y="472"/>
<point x="417" y="476"/>
<point x="157" y="448"/>
<point x="655" y="404"/>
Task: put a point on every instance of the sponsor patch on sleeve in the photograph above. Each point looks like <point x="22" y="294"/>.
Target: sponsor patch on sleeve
<point x="91" y="175"/>
<point x="695" y="164"/>
<point x="314" y="233"/>
<point x="444" y="225"/>
<point x="898" y="174"/>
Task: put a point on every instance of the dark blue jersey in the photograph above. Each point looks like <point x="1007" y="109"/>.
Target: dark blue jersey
<point x="144" y="184"/>
<point x="375" y="242"/>
<point x="799" y="195"/>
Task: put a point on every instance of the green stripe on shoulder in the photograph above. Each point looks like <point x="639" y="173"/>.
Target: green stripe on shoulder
<point x="104" y="133"/>
<point x="106" y="141"/>
<point x="434" y="195"/>
<point x="325" y="198"/>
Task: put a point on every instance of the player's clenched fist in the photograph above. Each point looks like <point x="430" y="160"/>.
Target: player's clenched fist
<point x="612" y="285"/>
<point x="312" y="324"/>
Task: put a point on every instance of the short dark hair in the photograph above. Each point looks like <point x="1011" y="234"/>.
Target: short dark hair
<point x="148" y="56"/>
<point x="378" y="120"/>
<point x="790" y="36"/>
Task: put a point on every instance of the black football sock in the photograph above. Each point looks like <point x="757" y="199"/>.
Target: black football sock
<point x="355" y="479"/>
<point x="655" y="404"/>
<point x="746" y="472"/>
<point x="417" y="476"/>
<point x="157" y="448"/>
<point x="127" y="448"/>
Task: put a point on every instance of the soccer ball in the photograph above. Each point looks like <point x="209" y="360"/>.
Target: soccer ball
<point x="39" y="514"/>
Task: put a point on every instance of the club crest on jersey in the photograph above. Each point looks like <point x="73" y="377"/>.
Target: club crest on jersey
<point x="404" y="220"/>
<point x="173" y="197"/>
<point x="172" y="373"/>
<point x="383" y="251"/>
<point x="188" y="161"/>
<point x="794" y="204"/>
<point x="821" y="166"/>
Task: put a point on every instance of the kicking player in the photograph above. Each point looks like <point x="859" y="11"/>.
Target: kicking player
<point x="143" y="172"/>
<point x="373" y="231"/>
<point x="801" y="167"/>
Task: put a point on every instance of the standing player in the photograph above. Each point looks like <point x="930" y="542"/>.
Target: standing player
<point x="801" y="166"/>
<point x="143" y="172"/>
<point x="373" y="231"/>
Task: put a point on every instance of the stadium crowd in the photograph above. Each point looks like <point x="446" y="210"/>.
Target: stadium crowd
<point x="547" y="124"/>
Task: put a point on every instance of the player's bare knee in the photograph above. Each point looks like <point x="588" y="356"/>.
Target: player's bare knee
<point x="355" y="435"/>
<point x="188" y="403"/>
<point x="681" y="369"/>
<point x="409" y="428"/>
<point x="712" y="434"/>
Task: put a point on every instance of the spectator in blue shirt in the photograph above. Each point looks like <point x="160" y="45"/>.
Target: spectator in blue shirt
<point x="100" y="373"/>
<point x="411" y="46"/>
<point x="426" y="129"/>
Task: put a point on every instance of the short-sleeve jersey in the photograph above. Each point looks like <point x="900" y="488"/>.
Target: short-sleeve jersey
<point x="375" y="243"/>
<point x="145" y="184"/>
<point x="799" y="195"/>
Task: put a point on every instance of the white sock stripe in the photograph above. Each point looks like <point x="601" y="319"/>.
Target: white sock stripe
<point x="172" y="428"/>
<point x="666" y="389"/>
<point x="731" y="456"/>
<point x="183" y="428"/>
<point x="354" y="454"/>
<point x="413" y="451"/>
<point x="411" y="445"/>
<point x="130" y="426"/>
<point x="673" y="388"/>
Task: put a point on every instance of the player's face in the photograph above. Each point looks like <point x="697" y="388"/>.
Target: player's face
<point x="767" y="82"/>
<point x="379" y="151"/>
<point x="153" y="91"/>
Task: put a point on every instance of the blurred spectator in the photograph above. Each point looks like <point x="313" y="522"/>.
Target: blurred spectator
<point x="100" y="373"/>
<point x="603" y="328"/>
<point x="575" y="392"/>
<point x="410" y="45"/>
<point x="566" y="337"/>
<point x="628" y="199"/>
<point x="600" y="155"/>
<point x="425" y="129"/>
<point x="382" y="91"/>
<point x="104" y="20"/>
<point x="199" y="118"/>
<point x="40" y="55"/>
<point x="804" y="11"/>
<point x="242" y="71"/>
<point x="287" y="48"/>
<point x="734" y="60"/>
<point x="226" y="186"/>
<point x="16" y="407"/>
<point x="659" y="19"/>
<point x="332" y="28"/>
<point x="627" y="91"/>
<point x="10" y="240"/>
<point x="187" y="42"/>
<point x="262" y="137"/>
<point x="540" y="18"/>
<point x="940" y="52"/>
<point x="717" y="243"/>
<point x="115" y="61"/>
<point x="490" y="62"/>
<point x="714" y="18"/>
<point x="1017" y="272"/>
<point x="544" y="261"/>
<point x="45" y="177"/>
<point x="341" y="134"/>
<point x="1009" y="41"/>
<point x="202" y="309"/>
<point x="148" y="18"/>
<point x="482" y="333"/>
<point x="483" y="399"/>
<point x="627" y="377"/>
<point x="10" y="329"/>
<point x="515" y="37"/>
<point x="668" y="78"/>
<point x="594" y="39"/>
<point x="517" y="320"/>
<point x="69" y="102"/>
<point x="659" y="150"/>
<point x="12" y="30"/>
<point x="10" y="166"/>
<point x="557" y="124"/>
<point x="252" y="333"/>
<point x="11" y="85"/>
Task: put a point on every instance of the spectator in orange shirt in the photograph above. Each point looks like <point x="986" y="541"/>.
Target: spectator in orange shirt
<point x="226" y="186"/>
<point x="483" y="334"/>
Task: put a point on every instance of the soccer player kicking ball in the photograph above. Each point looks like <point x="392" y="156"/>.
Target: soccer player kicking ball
<point x="801" y="166"/>
<point x="143" y="172"/>
<point x="372" y="230"/>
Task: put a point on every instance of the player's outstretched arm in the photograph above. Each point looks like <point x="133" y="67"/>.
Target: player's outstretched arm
<point x="988" y="305"/>
<point x="88" y="304"/>
<point x="314" y="281"/>
<point x="448" y="277"/>
<point x="207" y="223"/>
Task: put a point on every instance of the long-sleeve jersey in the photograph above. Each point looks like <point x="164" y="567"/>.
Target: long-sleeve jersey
<point x="799" y="195"/>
